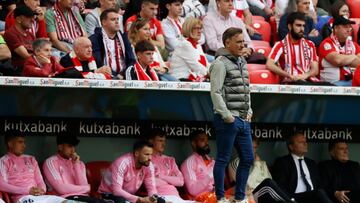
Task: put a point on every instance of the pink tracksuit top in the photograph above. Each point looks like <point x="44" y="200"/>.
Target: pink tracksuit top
<point x="197" y="175"/>
<point x="167" y="175"/>
<point x="123" y="179"/>
<point x="66" y="177"/>
<point x="18" y="174"/>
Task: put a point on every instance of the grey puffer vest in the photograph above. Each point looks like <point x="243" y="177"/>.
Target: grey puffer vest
<point x="236" y="85"/>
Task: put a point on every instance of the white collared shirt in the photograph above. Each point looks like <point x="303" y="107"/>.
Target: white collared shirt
<point x="301" y="187"/>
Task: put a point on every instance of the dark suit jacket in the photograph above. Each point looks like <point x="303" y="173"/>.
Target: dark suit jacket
<point x="339" y="176"/>
<point x="285" y="174"/>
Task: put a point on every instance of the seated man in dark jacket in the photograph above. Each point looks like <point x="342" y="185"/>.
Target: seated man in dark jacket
<point x="111" y="47"/>
<point x="340" y="176"/>
<point x="82" y="60"/>
<point x="298" y="175"/>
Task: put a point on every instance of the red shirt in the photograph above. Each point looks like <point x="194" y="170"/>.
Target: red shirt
<point x="329" y="72"/>
<point x="33" y="68"/>
<point x="39" y="25"/>
<point x="155" y="26"/>
<point x="14" y="39"/>
<point x="356" y="77"/>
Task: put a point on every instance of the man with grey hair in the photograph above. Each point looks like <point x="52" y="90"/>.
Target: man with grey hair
<point x="41" y="63"/>
<point x="81" y="58"/>
<point x="230" y="94"/>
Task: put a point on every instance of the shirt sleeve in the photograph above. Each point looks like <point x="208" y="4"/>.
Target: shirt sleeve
<point x="50" y="21"/>
<point x="210" y="34"/>
<point x="41" y="33"/>
<point x="80" y="173"/>
<point x="326" y="48"/>
<point x="118" y="173"/>
<point x="38" y="177"/>
<point x="217" y="77"/>
<point x="159" y="30"/>
<point x="90" y="23"/>
<point x="149" y="180"/>
<point x="81" y="21"/>
<point x="194" y="185"/>
<point x="192" y="59"/>
<point x="276" y="51"/>
<point x="53" y="176"/>
<point x="257" y="3"/>
<point x="12" y="40"/>
<point x="171" y="39"/>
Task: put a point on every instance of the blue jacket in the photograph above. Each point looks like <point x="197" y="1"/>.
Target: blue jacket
<point x="309" y="25"/>
<point x="99" y="49"/>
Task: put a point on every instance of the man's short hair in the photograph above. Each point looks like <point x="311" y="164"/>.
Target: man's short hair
<point x="40" y="43"/>
<point x="156" y="2"/>
<point x="144" y="45"/>
<point x="332" y="143"/>
<point x="104" y="14"/>
<point x="195" y="134"/>
<point x="156" y="133"/>
<point x="291" y="139"/>
<point x="67" y="139"/>
<point x="138" y="145"/>
<point x="172" y="1"/>
<point x="10" y="135"/>
<point x="23" y="10"/>
<point x="295" y="16"/>
<point x="230" y="32"/>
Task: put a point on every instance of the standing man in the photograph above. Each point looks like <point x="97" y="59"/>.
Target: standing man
<point x="229" y="78"/>
<point x="66" y="173"/>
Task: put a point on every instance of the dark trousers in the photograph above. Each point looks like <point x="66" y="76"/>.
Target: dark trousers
<point x="258" y="12"/>
<point x="314" y="196"/>
<point x="269" y="192"/>
<point x="85" y="199"/>
<point x="110" y="198"/>
<point x="229" y="135"/>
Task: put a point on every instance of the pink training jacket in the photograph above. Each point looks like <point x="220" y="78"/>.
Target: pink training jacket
<point x="123" y="179"/>
<point x="197" y="175"/>
<point x="167" y="175"/>
<point x="66" y="177"/>
<point x="18" y="174"/>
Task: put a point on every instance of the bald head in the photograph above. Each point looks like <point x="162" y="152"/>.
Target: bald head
<point x="83" y="48"/>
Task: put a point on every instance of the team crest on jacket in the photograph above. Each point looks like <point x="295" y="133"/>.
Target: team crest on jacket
<point x="327" y="46"/>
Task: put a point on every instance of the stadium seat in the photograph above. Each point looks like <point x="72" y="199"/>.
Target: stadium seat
<point x="356" y="28"/>
<point x="258" y="43"/>
<point x="263" y="77"/>
<point x="4" y="196"/>
<point x="94" y="172"/>
<point x="263" y="28"/>
<point x="354" y="8"/>
<point x="254" y="67"/>
<point x="258" y="18"/>
<point x="263" y="50"/>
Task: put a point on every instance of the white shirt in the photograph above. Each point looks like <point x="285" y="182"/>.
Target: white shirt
<point x="113" y="54"/>
<point x="301" y="187"/>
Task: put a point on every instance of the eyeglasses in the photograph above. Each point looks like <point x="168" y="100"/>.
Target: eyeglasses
<point x="197" y="28"/>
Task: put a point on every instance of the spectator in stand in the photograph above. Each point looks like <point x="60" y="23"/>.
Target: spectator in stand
<point x="19" y="38"/>
<point x="172" y="24"/>
<point x="198" y="167"/>
<point x="142" y="70"/>
<point x="298" y="62"/>
<point x="167" y="173"/>
<point x="217" y="21"/>
<point x="127" y="173"/>
<point x="298" y="175"/>
<point x="20" y="175"/>
<point x="41" y="63"/>
<point x="259" y="185"/>
<point x="339" y="8"/>
<point x="92" y="19"/>
<point x="310" y="32"/>
<point x="326" y="4"/>
<point x="111" y="48"/>
<point x="64" y="25"/>
<point x="140" y="30"/>
<point x="65" y="172"/>
<point x="38" y="28"/>
<point x="5" y="55"/>
<point x="338" y="54"/>
<point x="188" y="61"/>
<point x="5" y="7"/>
<point x="132" y="8"/>
<point x="240" y="8"/>
<point x="149" y="9"/>
<point x="193" y="8"/>
<point x="81" y="58"/>
<point x="340" y="176"/>
<point x="287" y="6"/>
<point x="261" y="8"/>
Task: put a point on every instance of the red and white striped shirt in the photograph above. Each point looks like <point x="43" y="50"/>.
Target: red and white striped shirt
<point x="295" y="59"/>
